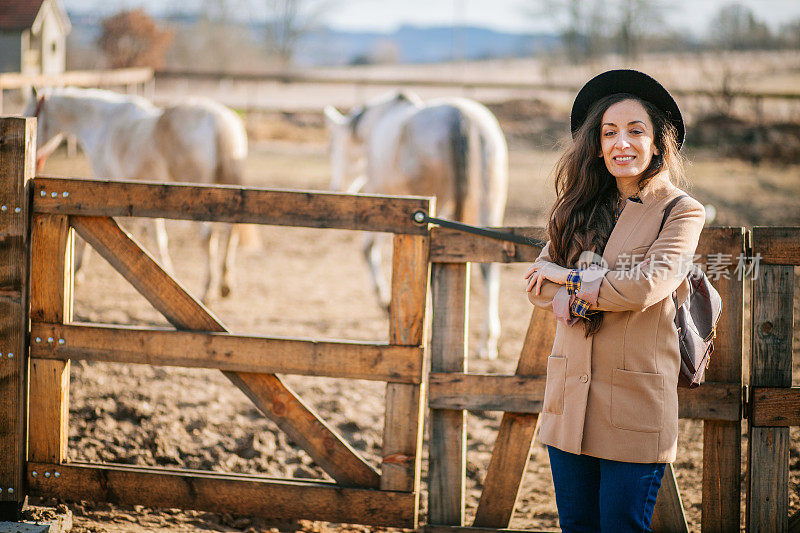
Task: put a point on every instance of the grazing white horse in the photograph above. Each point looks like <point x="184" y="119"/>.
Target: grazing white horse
<point x="127" y="138"/>
<point x="450" y="148"/>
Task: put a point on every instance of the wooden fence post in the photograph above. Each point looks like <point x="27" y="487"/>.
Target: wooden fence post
<point x="448" y="441"/>
<point x="51" y="301"/>
<point x="722" y="440"/>
<point x="17" y="157"/>
<point x="402" y="435"/>
<point x="771" y="366"/>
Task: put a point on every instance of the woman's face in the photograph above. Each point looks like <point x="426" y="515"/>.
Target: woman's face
<point x="627" y="139"/>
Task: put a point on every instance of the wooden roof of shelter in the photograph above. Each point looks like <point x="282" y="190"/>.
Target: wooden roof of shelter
<point x="23" y="14"/>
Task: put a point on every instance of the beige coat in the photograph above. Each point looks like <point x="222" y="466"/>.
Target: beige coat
<point x="613" y="395"/>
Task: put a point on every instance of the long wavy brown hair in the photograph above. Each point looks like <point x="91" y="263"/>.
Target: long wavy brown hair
<point x="582" y="217"/>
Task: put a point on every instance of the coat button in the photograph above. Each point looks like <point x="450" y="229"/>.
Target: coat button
<point x="584" y="378"/>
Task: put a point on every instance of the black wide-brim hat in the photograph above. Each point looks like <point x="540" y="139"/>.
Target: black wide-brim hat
<point x="632" y="82"/>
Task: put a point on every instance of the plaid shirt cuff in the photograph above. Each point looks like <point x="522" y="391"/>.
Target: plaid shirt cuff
<point x="578" y="306"/>
<point x="574" y="281"/>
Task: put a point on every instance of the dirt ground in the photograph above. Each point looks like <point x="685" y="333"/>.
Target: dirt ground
<point x="313" y="283"/>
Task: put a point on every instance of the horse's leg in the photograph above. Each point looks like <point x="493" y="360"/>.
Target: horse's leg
<point x="212" y="285"/>
<point x="231" y="236"/>
<point x="491" y="319"/>
<point x="372" y="253"/>
<point x="160" y="227"/>
<point x="81" y="258"/>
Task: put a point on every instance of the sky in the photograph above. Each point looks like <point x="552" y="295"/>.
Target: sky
<point x="507" y="15"/>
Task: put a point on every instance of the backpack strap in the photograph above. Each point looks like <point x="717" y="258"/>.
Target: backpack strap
<point x="668" y="210"/>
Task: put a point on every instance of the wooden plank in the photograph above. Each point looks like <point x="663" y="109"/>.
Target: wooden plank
<point x="402" y="434"/>
<point x="453" y="246"/>
<point x="486" y="392"/>
<point x="222" y="493"/>
<point x="223" y="351"/>
<point x="51" y="300"/>
<point x="668" y="514"/>
<point x="409" y="290"/>
<point x="719" y="453"/>
<point x="524" y="394"/>
<point x="777" y="246"/>
<point x="767" y="500"/>
<point x="517" y="431"/>
<point x="772" y="324"/>
<point x="77" y="78"/>
<point x="313" y="209"/>
<point x="711" y="401"/>
<point x="447" y="447"/>
<point x="455" y="529"/>
<point x="770" y="406"/>
<point x="480" y="81"/>
<point x="267" y="391"/>
<point x="17" y="151"/>
<point x="768" y="480"/>
<point x="722" y="439"/>
<point x="724" y="240"/>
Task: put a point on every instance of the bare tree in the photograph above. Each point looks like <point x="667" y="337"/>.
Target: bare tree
<point x="637" y="19"/>
<point x="735" y="27"/>
<point x="133" y="39"/>
<point x="223" y="39"/>
<point x="288" y="21"/>
<point x="591" y="27"/>
<point x="790" y="34"/>
<point x="581" y="24"/>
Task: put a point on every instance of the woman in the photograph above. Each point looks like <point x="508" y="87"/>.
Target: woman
<point x="610" y="411"/>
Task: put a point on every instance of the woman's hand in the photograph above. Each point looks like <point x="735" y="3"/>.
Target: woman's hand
<point x="542" y="270"/>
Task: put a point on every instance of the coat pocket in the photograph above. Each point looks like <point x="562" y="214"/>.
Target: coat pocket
<point x="554" y="386"/>
<point x="637" y="400"/>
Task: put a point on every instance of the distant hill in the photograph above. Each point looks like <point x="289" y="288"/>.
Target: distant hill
<point x="414" y="44"/>
<point x="407" y="44"/>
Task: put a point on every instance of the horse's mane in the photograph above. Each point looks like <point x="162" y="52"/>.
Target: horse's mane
<point x="393" y="98"/>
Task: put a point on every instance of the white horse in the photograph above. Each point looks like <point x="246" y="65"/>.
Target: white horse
<point x="450" y="148"/>
<point x="128" y="138"/>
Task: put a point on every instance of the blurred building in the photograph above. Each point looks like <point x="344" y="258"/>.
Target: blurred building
<point x="33" y="36"/>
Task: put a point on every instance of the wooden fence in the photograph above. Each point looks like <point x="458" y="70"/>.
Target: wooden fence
<point x="123" y="77"/>
<point x="304" y="90"/>
<point x="764" y="257"/>
<point x="774" y="404"/>
<point x="37" y="219"/>
<point x="718" y="402"/>
<point x="51" y="208"/>
<point x="290" y="77"/>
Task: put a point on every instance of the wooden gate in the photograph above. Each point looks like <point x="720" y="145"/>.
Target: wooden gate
<point x="452" y="391"/>
<point x="359" y="494"/>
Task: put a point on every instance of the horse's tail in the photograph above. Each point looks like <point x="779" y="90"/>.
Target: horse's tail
<point x="248" y="237"/>
<point x="481" y="167"/>
<point x="231" y="141"/>
<point x="466" y="144"/>
<point x="231" y="144"/>
<point x="494" y="173"/>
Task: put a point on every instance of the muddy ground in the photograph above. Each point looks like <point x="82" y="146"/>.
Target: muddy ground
<point x="313" y="283"/>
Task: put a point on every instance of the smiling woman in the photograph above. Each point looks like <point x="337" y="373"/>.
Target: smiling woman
<point x="610" y="409"/>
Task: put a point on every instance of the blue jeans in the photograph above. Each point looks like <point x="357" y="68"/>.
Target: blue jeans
<point x="602" y="495"/>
